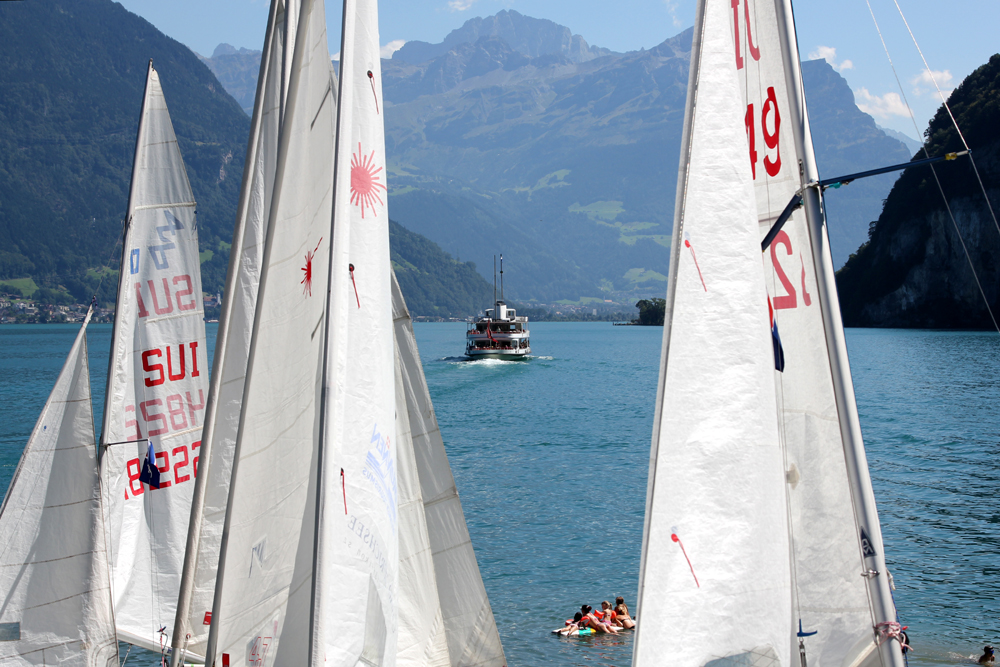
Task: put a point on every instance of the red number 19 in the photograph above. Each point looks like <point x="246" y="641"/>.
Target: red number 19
<point x="771" y="138"/>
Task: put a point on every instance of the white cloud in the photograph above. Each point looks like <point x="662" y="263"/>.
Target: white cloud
<point x="672" y="10"/>
<point x="884" y="106"/>
<point x="460" y="5"/>
<point x="829" y="54"/>
<point x="335" y="57"/>
<point x="387" y="50"/>
<point x="924" y="82"/>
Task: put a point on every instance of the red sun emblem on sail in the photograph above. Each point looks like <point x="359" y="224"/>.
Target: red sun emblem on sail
<point x="365" y="181"/>
<point x="307" y="279"/>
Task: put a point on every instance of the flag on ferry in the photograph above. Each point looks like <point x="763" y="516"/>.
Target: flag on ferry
<point x="779" y="352"/>
<point x="150" y="474"/>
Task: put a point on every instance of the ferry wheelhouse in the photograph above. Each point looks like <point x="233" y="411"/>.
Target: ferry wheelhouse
<point x="499" y="334"/>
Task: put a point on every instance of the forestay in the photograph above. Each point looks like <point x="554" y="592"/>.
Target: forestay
<point x="357" y="555"/>
<point x="157" y="382"/>
<point x="828" y="593"/>
<point x="53" y="565"/>
<point x="715" y="568"/>
<point x="222" y="414"/>
<point x="470" y="628"/>
<point x="261" y="609"/>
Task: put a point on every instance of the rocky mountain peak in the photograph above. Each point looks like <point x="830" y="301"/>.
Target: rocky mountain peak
<point x="528" y="36"/>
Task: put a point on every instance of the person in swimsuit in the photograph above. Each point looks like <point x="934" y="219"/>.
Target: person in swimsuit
<point x="608" y="615"/>
<point x="623" y="616"/>
<point x="572" y="627"/>
<point x="591" y="620"/>
<point x="987" y="657"/>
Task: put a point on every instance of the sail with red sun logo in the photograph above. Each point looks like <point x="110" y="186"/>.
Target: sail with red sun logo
<point x="357" y="551"/>
<point x="225" y="396"/>
<point x="157" y="382"/>
<point x="829" y="491"/>
<point x="714" y="585"/>
<point x="261" y="608"/>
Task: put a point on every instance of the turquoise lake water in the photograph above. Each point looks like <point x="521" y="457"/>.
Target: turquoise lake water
<point x="550" y="457"/>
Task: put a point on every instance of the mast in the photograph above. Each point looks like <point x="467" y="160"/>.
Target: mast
<point x="863" y="497"/>
<point x="494" y="286"/>
<point x="501" y="277"/>
<point x="121" y="266"/>
<point x="182" y="618"/>
<point x="289" y="107"/>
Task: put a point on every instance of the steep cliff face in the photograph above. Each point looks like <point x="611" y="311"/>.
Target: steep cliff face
<point x="913" y="272"/>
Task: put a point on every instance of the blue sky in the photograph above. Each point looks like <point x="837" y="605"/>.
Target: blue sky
<point x="956" y="36"/>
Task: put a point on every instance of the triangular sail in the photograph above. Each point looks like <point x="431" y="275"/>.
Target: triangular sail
<point x="222" y="414"/>
<point x="261" y="609"/>
<point x="829" y="595"/>
<point x="422" y="641"/>
<point x="157" y="382"/>
<point x="54" y="573"/>
<point x="714" y="579"/>
<point x="470" y="629"/>
<point x="357" y="556"/>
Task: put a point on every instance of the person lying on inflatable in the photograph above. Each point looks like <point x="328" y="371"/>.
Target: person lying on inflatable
<point x="573" y="627"/>
<point x="591" y="620"/>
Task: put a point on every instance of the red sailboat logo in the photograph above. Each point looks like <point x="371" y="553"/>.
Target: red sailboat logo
<point x="307" y="279"/>
<point x="365" y="181"/>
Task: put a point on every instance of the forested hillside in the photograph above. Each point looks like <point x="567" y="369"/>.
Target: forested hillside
<point x="914" y="272"/>
<point x="72" y="74"/>
<point x="434" y="284"/>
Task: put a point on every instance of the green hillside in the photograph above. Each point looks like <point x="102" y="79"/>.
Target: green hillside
<point x="434" y="284"/>
<point x="71" y="80"/>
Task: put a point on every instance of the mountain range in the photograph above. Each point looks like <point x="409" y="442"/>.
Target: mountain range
<point x="71" y="83"/>
<point x="514" y="135"/>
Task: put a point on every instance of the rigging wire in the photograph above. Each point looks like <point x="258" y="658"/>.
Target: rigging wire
<point x="937" y="180"/>
<point x="954" y="122"/>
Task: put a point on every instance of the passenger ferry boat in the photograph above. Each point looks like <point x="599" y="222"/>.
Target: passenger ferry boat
<point x="500" y="333"/>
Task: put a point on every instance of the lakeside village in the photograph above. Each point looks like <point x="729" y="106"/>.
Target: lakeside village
<point x="17" y="309"/>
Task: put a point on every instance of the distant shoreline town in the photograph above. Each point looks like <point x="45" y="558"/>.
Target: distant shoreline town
<point x="15" y="309"/>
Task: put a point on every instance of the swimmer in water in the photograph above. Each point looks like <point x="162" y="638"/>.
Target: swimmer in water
<point x="987" y="657"/>
<point x="623" y="616"/>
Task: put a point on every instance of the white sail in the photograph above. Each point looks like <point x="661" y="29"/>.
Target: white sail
<point x="714" y="581"/>
<point x="261" y="609"/>
<point x="830" y="597"/>
<point x="470" y="629"/>
<point x="54" y="573"/>
<point x="422" y="641"/>
<point x="157" y="382"/>
<point x="222" y="414"/>
<point x="357" y="556"/>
